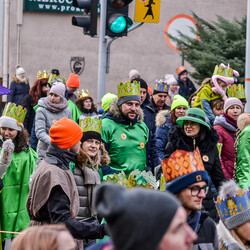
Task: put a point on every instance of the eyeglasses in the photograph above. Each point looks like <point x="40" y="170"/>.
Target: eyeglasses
<point x="195" y="190"/>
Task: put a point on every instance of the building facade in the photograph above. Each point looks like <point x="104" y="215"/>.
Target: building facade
<point x="40" y="40"/>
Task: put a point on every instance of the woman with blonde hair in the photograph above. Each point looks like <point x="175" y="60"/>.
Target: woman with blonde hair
<point x="91" y="158"/>
<point x="52" y="237"/>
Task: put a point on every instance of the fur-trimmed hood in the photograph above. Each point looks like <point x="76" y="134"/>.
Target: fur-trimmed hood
<point x="115" y="114"/>
<point x="161" y="117"/>
<point x="221" y="120"/>
<point x="101" y="159"/>
<point x="17" y="81"/>
<point x="180" y="141"/>
<point x="227" y="241"/>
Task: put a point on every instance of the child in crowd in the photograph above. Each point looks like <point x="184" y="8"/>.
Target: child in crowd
<point x="191" y="99"/>
<point x="217" y="106"/>
<point x="173" y="88"/>
<point x="214" y="88"/>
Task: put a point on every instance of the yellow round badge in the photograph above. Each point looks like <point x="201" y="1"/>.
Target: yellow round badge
<point x="123" y="136"/>
<point x="142" y="145"/>
<point x="205" y="158"/>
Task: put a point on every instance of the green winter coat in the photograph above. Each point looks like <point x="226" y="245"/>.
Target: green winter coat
<point x="126" y="142"/>
<point x="14" y="215"/>
<point x="242" y="172"/>
<point x="75" y="111"/>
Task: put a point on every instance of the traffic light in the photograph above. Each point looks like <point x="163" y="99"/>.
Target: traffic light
<point x="89" y="19"/>
<point x="117" y="20"/>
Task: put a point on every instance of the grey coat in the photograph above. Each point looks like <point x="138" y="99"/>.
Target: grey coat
<point x="44" y="121"/>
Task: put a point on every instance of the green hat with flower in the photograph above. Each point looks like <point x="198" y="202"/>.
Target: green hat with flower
<point x="91" y="128"/>
<point x="13" y="116"/>
<point x="194" y="115"/>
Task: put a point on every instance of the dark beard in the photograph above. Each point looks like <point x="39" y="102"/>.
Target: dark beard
<point x="127" y="118"/>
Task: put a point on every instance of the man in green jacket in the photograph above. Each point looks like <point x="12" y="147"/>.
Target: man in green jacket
<point x="123" y="131"/>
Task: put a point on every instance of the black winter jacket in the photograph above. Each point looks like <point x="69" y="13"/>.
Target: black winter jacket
<point x="149" y="119"/>
<point x="207" y="233"/>
<point x="187" y="89"/>
<point x="209" y="155"/>
<point x="30" y="115"/>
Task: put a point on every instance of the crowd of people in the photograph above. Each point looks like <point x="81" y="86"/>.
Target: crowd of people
<point x="59" y="152"/>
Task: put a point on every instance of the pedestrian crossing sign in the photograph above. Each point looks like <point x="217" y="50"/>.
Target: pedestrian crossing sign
<point x="147" y="11"/>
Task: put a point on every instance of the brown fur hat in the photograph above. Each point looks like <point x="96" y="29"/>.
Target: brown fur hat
<point x="243" y="121"/>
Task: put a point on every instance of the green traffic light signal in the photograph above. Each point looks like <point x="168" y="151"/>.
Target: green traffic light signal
<point x="117" y="20"/>
<point x="120" y="23"/>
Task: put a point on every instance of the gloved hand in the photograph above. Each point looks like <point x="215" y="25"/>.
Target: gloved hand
<point x="6" y="156"/>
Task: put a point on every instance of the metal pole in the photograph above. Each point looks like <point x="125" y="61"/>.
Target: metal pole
<point x="6" y="44"/>
<point x="102" y="53"/>
<point x="247" y="67"/>
<point x="19" y="25"/>
<point x="1" y="33"/>
<point x="113" y="39"/>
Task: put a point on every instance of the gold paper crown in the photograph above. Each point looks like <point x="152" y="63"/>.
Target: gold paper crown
<point x="182" y="163"/>
<point x="91" y="124"/>
<point x="55" y="77"/>
<point x="83" y="94"/>
<point x="128" y="88"/>
<point x="135" y="179"/>
<point x="45" y="75"/>
<point x="16" y="112"/>
<point x="236" y="90"/>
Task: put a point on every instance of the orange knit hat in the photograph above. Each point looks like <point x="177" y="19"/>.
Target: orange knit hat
<point x="150" y="91"/>
<point x="181" y="70"/>
<point x="65" y="133"/>
<point x="73" y="81"/>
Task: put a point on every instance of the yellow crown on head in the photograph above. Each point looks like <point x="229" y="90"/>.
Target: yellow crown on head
<point x="83" y="94"/>
<point x="16" y="112"/>
<point x="91" y="124"/>
<point x="45" y="75"/>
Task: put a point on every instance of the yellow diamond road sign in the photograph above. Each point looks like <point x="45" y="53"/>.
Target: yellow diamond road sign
<point x="147" y="11"/>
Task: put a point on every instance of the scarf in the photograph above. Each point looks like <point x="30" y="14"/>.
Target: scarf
<point x="56" y="108"/>
<point x="193" y="220"/>
<point x="230" y="120"/>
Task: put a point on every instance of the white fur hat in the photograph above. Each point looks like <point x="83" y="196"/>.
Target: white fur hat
<point x="19" y="70"/>
<point x="133" y="72"/>
<point x="170" y="79"/>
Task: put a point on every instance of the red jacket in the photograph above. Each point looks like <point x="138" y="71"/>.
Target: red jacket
<point x="226" y="133"/>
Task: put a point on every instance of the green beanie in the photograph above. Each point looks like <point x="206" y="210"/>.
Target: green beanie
<point x="179" y="101"/>
<point x="106" y="99"/>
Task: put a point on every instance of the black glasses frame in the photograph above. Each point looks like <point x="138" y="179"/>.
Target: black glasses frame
<point x="195" y="190"/>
